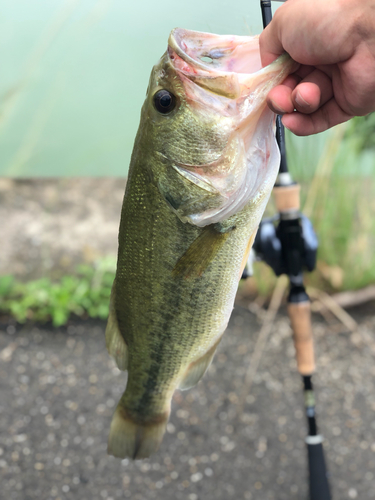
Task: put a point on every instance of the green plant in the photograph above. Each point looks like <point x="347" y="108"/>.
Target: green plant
<point x="86" y="292"/>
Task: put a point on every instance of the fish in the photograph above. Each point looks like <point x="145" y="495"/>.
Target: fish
<point x="202" y="169"/>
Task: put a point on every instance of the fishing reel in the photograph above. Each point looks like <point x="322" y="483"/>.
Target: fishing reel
<point x="276" y="234"/>
<point x="287" y="245"/>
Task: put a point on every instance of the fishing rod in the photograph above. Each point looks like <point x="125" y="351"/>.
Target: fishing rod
<point x="288" y="244"/>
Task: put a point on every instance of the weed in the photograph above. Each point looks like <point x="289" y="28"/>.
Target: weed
<point x="85" y="293"/>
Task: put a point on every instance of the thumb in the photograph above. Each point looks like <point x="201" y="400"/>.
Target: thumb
<point x="270" y="44"/>
<point x="286" y="19"/>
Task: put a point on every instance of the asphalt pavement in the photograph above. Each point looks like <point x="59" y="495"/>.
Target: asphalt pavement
<point x="59" y="389"/>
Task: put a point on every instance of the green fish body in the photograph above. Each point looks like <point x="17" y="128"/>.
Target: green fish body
<point x="203" y="166"/>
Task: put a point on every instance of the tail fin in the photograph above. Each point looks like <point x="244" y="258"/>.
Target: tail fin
<point x="131" y="439"/>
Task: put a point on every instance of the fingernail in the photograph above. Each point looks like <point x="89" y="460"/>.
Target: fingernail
<point x="277" y="108"/>
<point x="301" y="101"/>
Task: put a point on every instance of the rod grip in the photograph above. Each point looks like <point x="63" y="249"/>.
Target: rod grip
<point x="300" y="318"/>
<point x="319" y="487"/>
<point x="287" y="197"/>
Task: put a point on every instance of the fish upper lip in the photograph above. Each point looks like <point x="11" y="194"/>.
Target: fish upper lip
<point x="235" y="66"/>
<point x="226" y="45"/>
<point x="173" y="45"/>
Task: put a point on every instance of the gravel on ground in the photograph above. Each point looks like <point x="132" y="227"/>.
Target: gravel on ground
<point x="59" y="389"/>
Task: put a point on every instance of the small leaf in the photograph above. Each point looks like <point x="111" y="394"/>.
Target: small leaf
<point x="6" y="283"/>
<point x="59" y="317"/>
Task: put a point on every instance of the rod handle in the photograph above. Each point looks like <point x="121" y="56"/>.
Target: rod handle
<point x="287" y="197"/>
<point x="319" y="486"/>
<point x="300" y="318"/>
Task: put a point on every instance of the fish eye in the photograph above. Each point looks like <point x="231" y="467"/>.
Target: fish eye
<point x="164" y="101"/>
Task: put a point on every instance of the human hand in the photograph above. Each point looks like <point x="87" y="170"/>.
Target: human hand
<point x="334" y="42"/>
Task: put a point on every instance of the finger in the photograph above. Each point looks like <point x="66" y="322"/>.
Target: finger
<point x="304" y="70"/>
<point x="279" y="98"/>
<point x="292" y="80"/>
<point x="312" y="92"/>
<point x="329" y="115"/>
<point x="306" y="97"/>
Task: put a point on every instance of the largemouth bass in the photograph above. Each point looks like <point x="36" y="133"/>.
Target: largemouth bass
<point x="204" y="163"/>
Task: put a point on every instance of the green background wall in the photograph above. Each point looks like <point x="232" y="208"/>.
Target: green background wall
<point x="74" y="74"/>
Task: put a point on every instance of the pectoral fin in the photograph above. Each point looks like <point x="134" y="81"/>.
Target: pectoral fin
<point x="197" y="369"/>
<point x="115" y="342"/>
<point x="200" y="253"/>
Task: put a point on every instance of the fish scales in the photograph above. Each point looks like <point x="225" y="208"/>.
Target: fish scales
<point x="148" y="281"/>
<point x="201" y="172"/>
